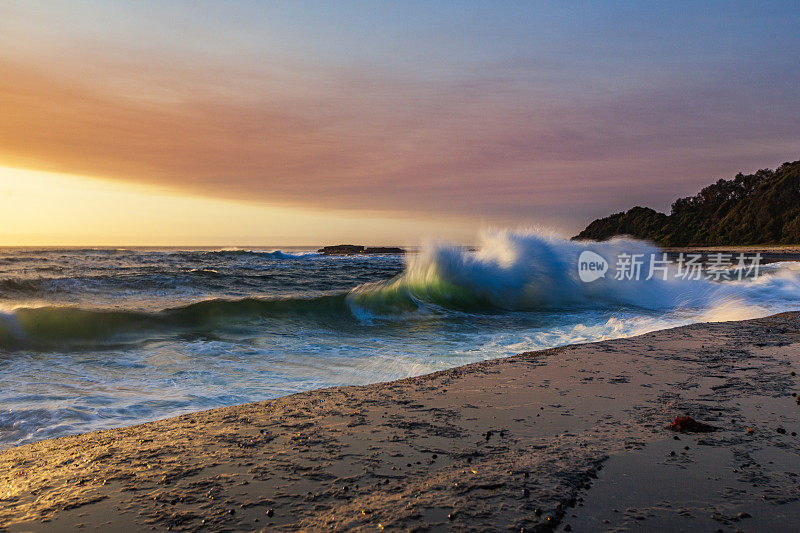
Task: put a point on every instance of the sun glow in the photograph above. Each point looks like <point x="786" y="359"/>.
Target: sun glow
<point x="45" y="208"/>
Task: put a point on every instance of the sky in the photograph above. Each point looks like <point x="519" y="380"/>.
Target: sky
<point x="222" y="123"/>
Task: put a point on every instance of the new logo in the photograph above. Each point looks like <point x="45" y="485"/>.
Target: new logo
<point x="591" y="266"/>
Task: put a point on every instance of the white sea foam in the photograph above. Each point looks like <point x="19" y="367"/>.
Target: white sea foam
<point x="524" y="271"/>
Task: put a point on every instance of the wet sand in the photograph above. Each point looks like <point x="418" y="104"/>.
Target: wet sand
<point x="573" y="438"/>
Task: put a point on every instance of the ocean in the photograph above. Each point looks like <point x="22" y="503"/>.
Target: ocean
<point x="94" y="338"/>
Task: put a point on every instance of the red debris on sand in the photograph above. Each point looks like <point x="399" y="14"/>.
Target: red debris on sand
<point x="687" y="424"/>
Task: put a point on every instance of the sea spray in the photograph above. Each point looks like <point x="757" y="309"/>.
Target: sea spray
<point x="519" y="271"/>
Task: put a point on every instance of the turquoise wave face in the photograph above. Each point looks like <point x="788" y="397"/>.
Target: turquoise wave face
<point x="99" y="338"/>
<point x="53" y="326"/>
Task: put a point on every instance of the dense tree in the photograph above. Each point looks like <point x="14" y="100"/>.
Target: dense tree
<point x="758" y="208"/>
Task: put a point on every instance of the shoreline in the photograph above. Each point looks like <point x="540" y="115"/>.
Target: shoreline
<point x="536" y="441"/>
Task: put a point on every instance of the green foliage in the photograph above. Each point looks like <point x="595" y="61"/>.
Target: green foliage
<point x="759" y="208"/>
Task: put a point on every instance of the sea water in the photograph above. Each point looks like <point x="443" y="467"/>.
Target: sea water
<point x="101" y="338"/>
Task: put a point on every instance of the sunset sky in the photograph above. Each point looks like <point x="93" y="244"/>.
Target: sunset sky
<point x="227" y="123"/>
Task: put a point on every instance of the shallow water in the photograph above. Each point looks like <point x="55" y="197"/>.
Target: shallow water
<point x="99" y="338"/>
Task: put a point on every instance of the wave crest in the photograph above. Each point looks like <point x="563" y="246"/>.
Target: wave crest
<point x="523" y="271"/>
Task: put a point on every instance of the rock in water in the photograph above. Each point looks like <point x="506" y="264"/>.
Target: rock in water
<point x="353" y="249"/>
<point x="341" y="249"/>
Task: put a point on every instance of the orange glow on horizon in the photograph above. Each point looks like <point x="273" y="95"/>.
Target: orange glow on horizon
<point x="51" y="209"/>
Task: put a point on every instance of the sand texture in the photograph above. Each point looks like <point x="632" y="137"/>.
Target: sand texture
<point x="573" y="438"/>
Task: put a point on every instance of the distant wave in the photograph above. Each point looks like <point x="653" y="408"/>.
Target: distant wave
<point x="205" y="271"/>
<point x="141" y="278"/>
<point x="17" y="255"/>
<point x="47" y="287"/>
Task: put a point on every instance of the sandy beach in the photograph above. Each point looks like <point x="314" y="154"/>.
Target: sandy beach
<point x="573" y="438"/>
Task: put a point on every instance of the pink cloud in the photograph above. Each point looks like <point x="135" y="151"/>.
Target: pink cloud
<point x="478" y="146"/>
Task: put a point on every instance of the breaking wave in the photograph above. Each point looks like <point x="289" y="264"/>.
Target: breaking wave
<point x="42" y="327"/>
<point x="509" y="272"/>
<point x="516" y="271"/>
